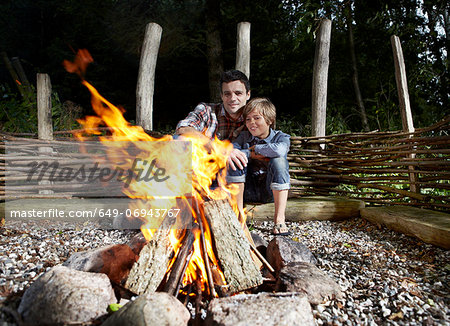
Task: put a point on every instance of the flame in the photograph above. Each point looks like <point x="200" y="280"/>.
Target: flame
<point x="208" y="163"/>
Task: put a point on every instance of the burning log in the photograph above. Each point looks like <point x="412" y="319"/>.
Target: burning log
<point x="172" y="285"/>
<point x="232" y="246"/>
<point x="149" y="270"/>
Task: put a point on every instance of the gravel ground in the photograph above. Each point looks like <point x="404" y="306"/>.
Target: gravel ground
<point x="387" y="278"/>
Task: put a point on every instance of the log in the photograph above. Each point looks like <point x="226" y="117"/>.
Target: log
<point x="311" y="208"/>
<point x="179" y="267"/>
<point x="240" y="271"/>
<point x="429" y="226"/>
<point x="149" y="270"/>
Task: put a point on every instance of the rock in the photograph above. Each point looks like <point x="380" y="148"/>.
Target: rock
<point x="307" y="278"/>
<point x="158" y="308"/>
<point x="137" y="242"/>
<point x="122" y="222"/>
<point x="114" y="261"/>
<point x="282" y="250"/>
<point x="53" y="298"/>
<point x="260" y="243"/>
<point x="263" y="309"/>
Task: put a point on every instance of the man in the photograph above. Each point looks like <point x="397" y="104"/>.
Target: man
<point x="223" y="120"/>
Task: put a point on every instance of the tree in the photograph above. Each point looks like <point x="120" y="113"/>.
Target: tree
<point x="355" y="78"/>
<point x="214" y="48"/>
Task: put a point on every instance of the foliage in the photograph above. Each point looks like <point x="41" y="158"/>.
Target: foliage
<point x="292" y="126"/>
<point x="20" y="115"/>
<point x="44" y="33"/>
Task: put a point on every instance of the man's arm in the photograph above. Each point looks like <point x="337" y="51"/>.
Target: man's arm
<point x="238" y="157"/>
<point x="197" y="121"/>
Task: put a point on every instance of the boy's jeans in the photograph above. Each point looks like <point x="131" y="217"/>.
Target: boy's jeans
<point x="277" y="174"/>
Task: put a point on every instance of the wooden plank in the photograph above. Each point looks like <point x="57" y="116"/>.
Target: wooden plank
<point x="310" y="208"/>
<point x="429" y="226"/>
<point x="232" y="246"/>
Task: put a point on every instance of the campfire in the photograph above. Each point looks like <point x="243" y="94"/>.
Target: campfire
<point x="210" y="257"/>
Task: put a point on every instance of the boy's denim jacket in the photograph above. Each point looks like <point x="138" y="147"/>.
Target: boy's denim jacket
<point x="275" y="145"/>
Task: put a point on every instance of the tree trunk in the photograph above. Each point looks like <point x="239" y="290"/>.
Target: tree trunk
<point x="214" y="48"/>
<point x="355" y="78"/>
<point x="433" y="20"/>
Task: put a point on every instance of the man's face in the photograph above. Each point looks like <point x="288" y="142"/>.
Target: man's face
<point x="234" y="97"/>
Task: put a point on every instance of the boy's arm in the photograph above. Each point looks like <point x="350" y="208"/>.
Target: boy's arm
<point x="279" y="148"/>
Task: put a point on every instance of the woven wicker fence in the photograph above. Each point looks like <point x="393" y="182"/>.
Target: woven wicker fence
<point x="381" y="168"/>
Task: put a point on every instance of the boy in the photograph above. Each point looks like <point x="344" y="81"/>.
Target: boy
<point x="261" y="142"/>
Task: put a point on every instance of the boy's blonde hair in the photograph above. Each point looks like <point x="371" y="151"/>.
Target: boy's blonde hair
<point x="265" y="107"/>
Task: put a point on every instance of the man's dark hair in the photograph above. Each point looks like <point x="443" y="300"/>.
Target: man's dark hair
<point x="232" y="75"/>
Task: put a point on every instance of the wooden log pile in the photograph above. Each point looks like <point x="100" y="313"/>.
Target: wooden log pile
<point x="151" y="273"/>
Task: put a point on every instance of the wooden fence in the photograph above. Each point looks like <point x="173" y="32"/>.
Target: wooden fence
<point x="376" y="167"/>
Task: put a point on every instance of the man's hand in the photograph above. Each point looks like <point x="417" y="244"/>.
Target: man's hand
<point x="237" y="159"/>
<point x="190" y="132"/>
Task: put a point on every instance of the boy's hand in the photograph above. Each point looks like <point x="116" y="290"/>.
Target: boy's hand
<point x="237" y="159"/>
<point x="255" y="156"/>
<point x="259" y="157"/>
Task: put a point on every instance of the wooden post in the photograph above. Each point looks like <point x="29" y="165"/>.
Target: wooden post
<point x="146" y="78"/>
<point x="45" y="125"/>
<point x="402" y="85"/>
<point x="403" y="98"/>
<point x="243" y="48"/>
<point x="320" y="78"/>
<point x="44" y="107"/>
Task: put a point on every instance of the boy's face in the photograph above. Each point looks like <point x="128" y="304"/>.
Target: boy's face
<point x="234" y="97"/>
<point x="257" y="125"/>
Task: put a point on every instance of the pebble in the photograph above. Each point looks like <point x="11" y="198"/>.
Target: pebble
<point x="383" y="273"/>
